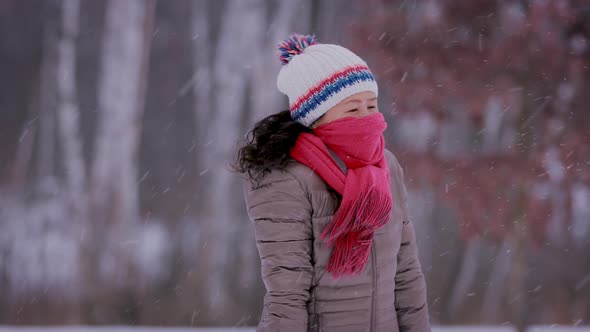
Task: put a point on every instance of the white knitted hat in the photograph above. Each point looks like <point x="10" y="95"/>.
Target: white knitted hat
<point x="316" y="76"/>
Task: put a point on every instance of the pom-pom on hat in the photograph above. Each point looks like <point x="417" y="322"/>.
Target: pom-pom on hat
<point x="317" y="76"/>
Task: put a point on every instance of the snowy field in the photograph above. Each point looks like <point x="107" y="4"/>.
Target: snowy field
<point x="241" y="329"/>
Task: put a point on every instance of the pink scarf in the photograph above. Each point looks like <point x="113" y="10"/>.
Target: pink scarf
<point x="366" y="197"/>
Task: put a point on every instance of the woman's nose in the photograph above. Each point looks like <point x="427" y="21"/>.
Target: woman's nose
<point x="365" y="110"/>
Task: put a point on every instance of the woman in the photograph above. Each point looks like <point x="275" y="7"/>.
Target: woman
<point x="328" y="202"/>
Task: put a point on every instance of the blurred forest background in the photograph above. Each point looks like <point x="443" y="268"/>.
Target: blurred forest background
<point x="118" y="120"/>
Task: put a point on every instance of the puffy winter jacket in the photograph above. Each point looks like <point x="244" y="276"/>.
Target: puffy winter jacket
<point x="289" y="210"/>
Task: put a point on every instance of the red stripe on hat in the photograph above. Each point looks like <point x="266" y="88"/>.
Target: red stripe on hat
<point x="326" y="81"/>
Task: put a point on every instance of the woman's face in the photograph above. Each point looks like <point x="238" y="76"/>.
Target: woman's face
<point x="358" y="105"/>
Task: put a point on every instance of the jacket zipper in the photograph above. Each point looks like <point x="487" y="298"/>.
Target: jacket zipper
<point x="374" y="270"/>
<point x="314" y="324"/>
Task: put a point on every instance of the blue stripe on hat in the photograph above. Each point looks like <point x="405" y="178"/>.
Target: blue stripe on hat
<point x="329" y="90"/>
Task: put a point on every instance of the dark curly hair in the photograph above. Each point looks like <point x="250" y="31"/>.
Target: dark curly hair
<point x="267" y="146"/>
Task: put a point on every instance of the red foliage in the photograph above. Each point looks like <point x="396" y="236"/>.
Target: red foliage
<point x="534" y="58"/>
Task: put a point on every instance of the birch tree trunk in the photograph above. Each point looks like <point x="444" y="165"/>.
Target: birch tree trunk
<point x="47" y="96"/>
<point x="466" y="277"/>
<point x="201" y="89"/>
<point x="288" y="17"/>
<point x="230" y="75"/>
<point x="235" y="51"/>
<point x="235" y="86"/>
<point x="121" y="93"/>
<point x="68" y="116"/>
<point x="68" y="111"/>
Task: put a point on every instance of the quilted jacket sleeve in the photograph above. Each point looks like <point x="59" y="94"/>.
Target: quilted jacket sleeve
<point x="280" y="210"/>
<point x="410" y="286"/>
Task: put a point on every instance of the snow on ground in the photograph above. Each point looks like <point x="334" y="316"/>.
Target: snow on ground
<point x="242" y="329"/>
<point x="120" y="329"/>
<point x="559" y="329"/>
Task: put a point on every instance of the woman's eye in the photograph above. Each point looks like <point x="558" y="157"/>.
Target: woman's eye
<point x="353" y="110"/>
<point x="372" y="107"/>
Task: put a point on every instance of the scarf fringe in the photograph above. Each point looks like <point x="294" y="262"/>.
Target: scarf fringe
<point x="352" y="231"/>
